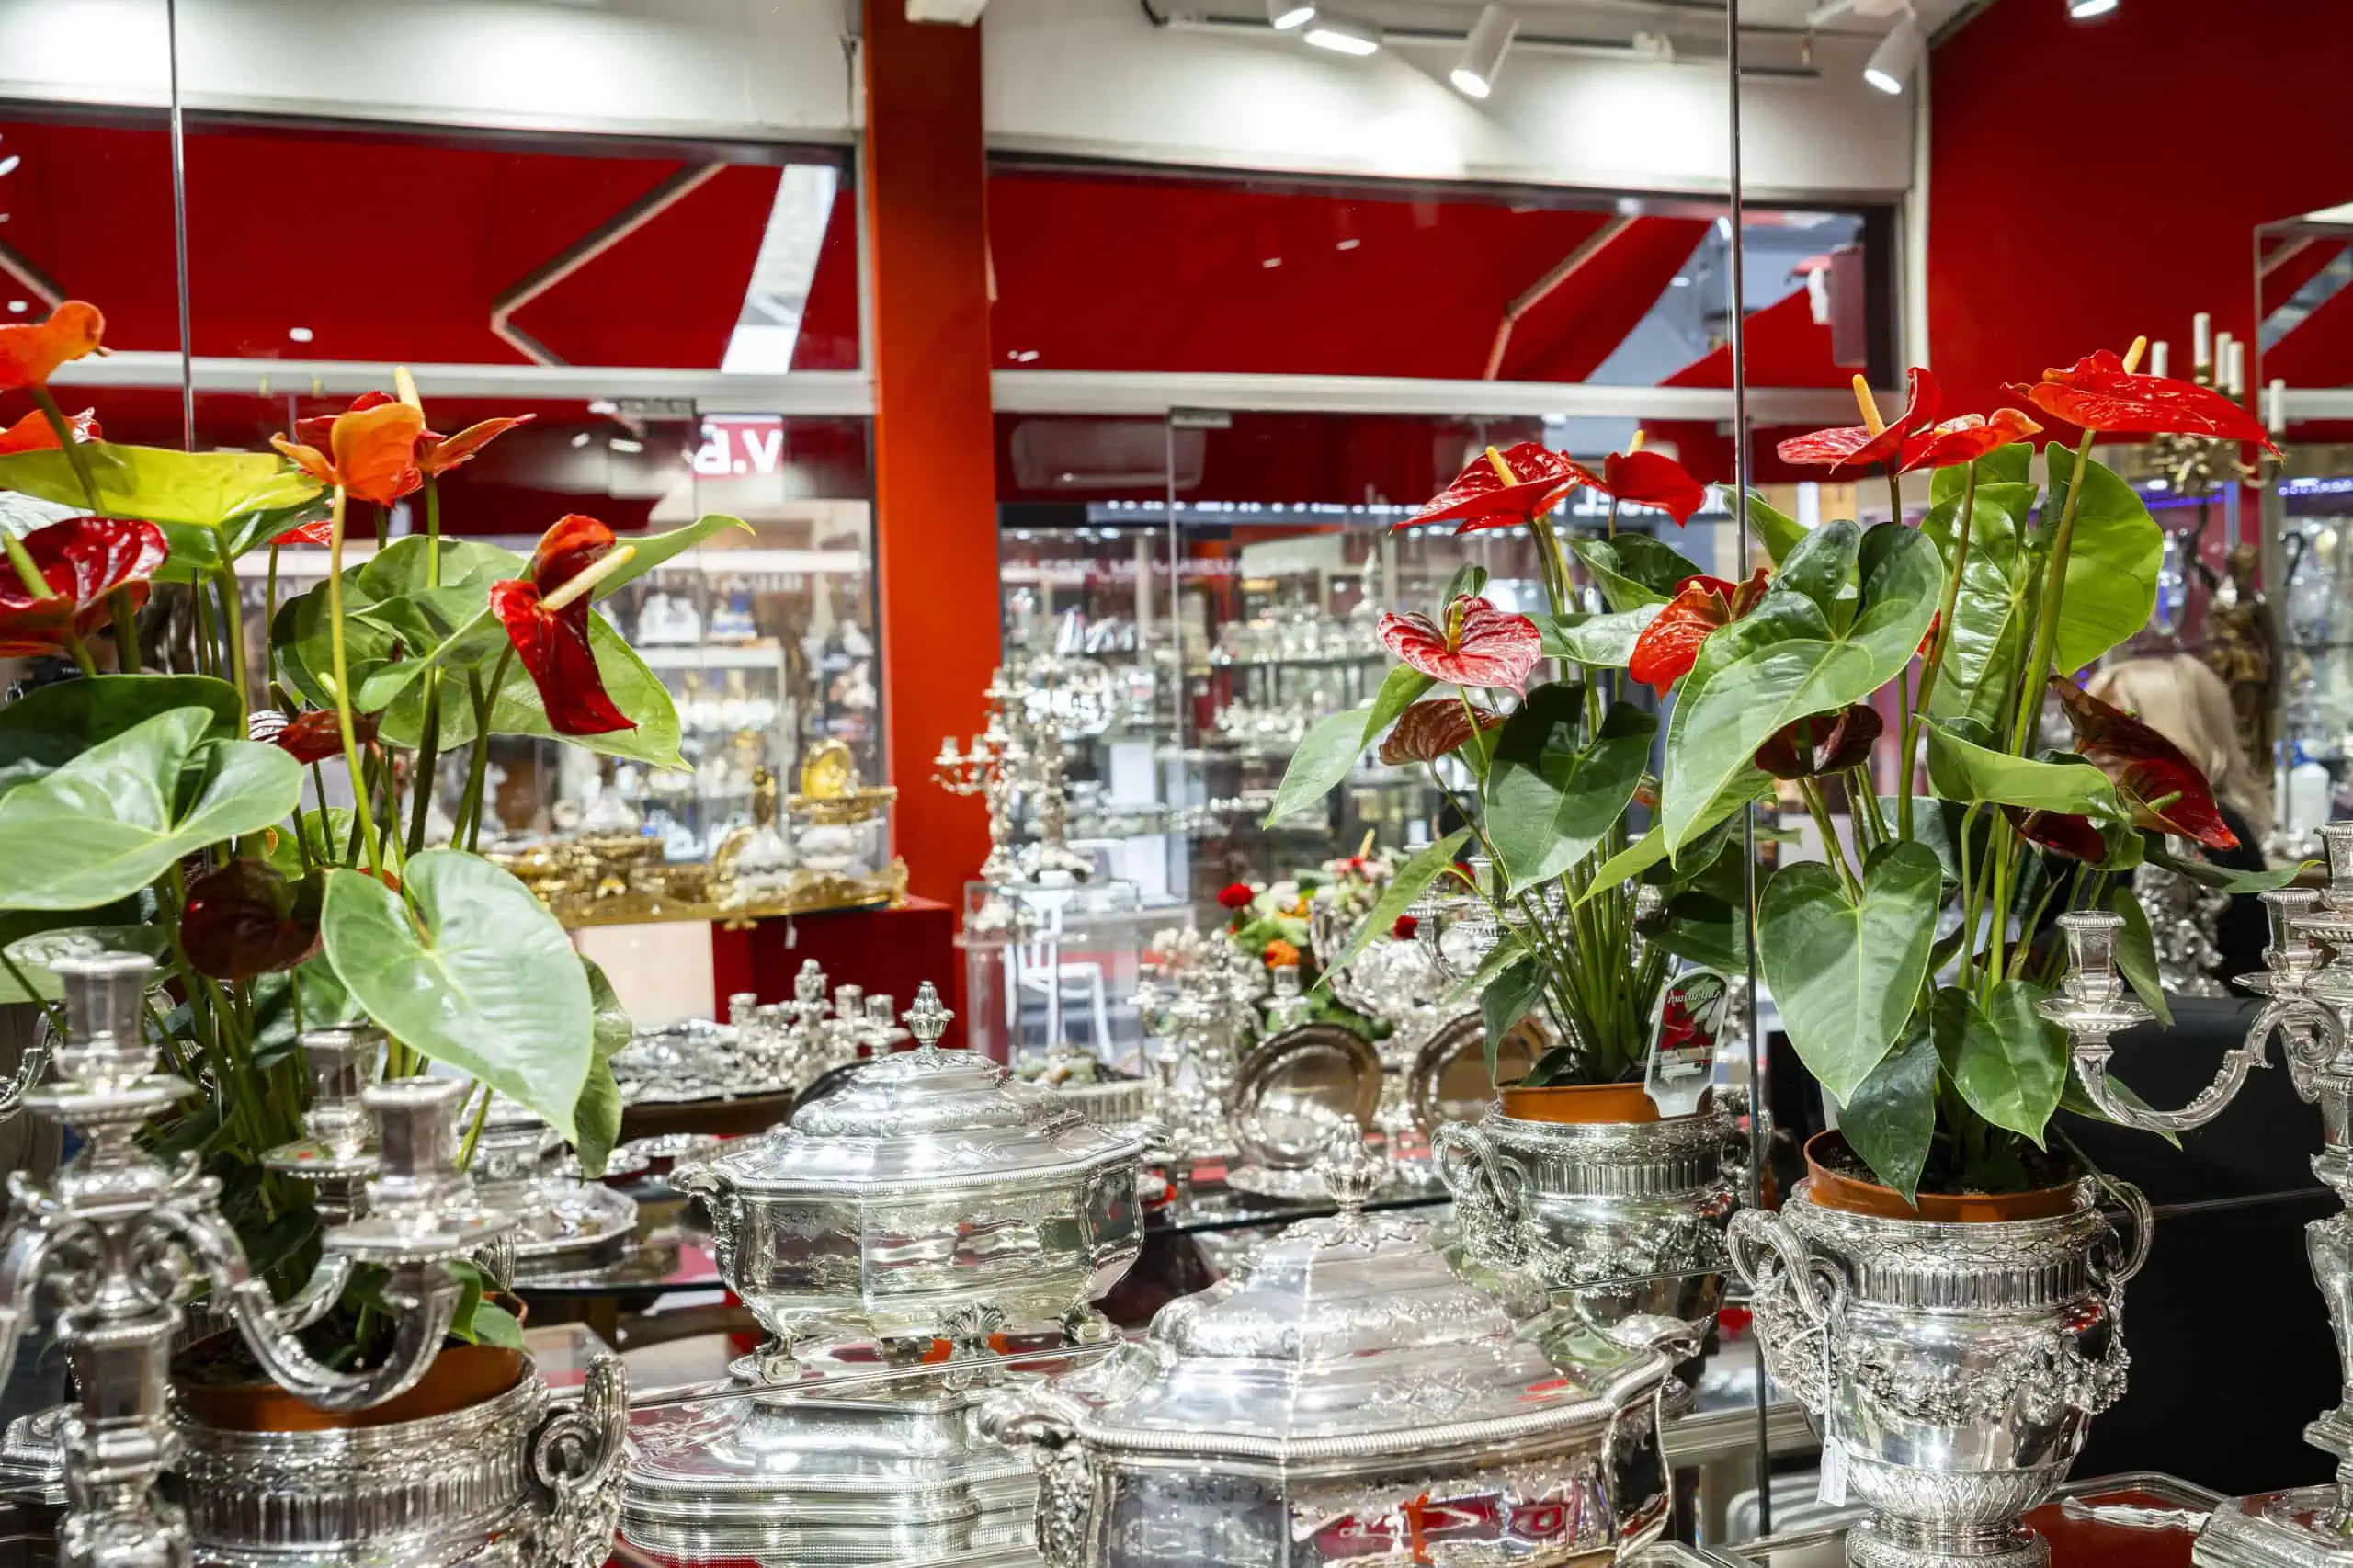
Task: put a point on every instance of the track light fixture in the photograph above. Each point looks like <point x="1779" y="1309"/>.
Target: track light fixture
<point x="1892" y="62"/>
<point x="1343" y="34"/>
<point x="1483" y="50"/>
<point x="1285" y="15"/>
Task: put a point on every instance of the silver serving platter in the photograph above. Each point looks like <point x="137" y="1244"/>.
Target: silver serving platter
<point x="521" y="1166"/>
<point x="929" y="1196"/>
<point x="1346" y="1392"/>
<point x="1448" y="1078"/>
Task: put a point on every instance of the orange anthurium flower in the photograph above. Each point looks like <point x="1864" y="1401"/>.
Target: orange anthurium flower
<point x="34" y="433"/>
<point x="372" y="450"/>
<point x="553" y="642"/>
<point x="439" y="454"/>
<point x="29" y="354"/>
<point x="1669" y="646"/>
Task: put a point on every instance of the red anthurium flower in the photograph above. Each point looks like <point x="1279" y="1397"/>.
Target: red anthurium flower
<point x="1235" y="895"/>
<point x="34" y="433"/>
<point x="244" y="919"/>
<point x="83" y="560"/>
<point x="553" y="643"/>
<point x="318" y="430"/>
<point x="1481" y="496"/>
<point x="320" y="532"/>
<point x="29" y="354"/>
<point x="1479" y="644"/>
<point x="1404" y="927"/>
<point x="2164" y="788"/>
<point x="317" y="737"/>
<point x="370" y="449"/>
<point x="438" y="454"/>
<point x="1822" y="742"/>
<point x="1647" y="479"/>
<point x="1669" y="646"/>
<point x="1965" y="439"/>
<point x="1427" y="731"/>
<point x="2069" y="835"/>
<point x="1860" y="445"/>
<point x="2096" y="392"/>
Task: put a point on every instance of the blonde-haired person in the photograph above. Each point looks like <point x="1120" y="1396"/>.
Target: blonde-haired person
<point x="2182" y="699"/>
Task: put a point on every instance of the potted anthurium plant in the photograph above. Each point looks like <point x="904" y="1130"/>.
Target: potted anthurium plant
<point x="1546" y="774"/>
<point x="1910" y="967"/>
<point x="154" y="800"/>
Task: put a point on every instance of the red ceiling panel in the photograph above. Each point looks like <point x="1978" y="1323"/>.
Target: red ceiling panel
<point x="1099" y="273"/>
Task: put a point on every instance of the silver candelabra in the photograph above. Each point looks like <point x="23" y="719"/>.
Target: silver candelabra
<point x="117" y="1241"/>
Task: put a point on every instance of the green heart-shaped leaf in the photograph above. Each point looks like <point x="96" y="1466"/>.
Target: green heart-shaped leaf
<point x="1961" y="770"/>
<point x="597" y="1118"/>
<point x="1633" y="570"/>
<point x="49" y="727"/>
<point x="2112" y="559"/>
<point x="1547" y="809"/>
<point x="1780" y="532"/>
<point x="1846" y="971"/>
<point x="485" y="980"/>
<point x="2136" y="953"/>
<point x="206" y="490"/>
<point x="1325" y="753"/>
<point x="1787" y="660"/>
<point x="1891" y="1119"/>
<point x="1599" y="641"/>
<point x="115" y="818"/>
<point x="2006" y="1061"/>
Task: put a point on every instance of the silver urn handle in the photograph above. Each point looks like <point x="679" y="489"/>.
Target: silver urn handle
<point x="1798" y="1300"/>
<point x="1065" y="1484"/>
<point x="1486" y="1199"/>
<point x="576" y="1458"/>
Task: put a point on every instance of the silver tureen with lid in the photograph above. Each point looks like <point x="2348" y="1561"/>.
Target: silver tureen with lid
<point x="929" y="1195"/>
<point x="1347" y="1394"/>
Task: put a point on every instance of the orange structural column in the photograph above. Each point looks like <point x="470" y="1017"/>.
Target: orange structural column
<point x="926" y="180"/>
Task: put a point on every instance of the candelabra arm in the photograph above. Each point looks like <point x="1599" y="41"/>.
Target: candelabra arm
<point x="2091" y="1066"/>
<point x="2309" y="1037"/>
<point x="29" y="1068"/>
<point x="425" y="1299"/>
<point x="2093" y="1004"/>
<point x="29" y="1242"/>
<point x="315" y="1299"/>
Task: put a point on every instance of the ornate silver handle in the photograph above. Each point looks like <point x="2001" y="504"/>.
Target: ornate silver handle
<point x="1486" y="1202"/>
<point x="2094" y="1004"/>
<point x="1798" y="1300"/>
<point x="1065" y="1484"/>
<point x="577" y="1464"/>
<point x="2111" y="1266"/>
<point x="30" y="1064"/>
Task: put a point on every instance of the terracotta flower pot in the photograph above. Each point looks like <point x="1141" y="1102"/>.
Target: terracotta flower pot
<point x="1855" y="1195"/>
<point x="460" y="1377"/>
<point x="1578" y="1104"/>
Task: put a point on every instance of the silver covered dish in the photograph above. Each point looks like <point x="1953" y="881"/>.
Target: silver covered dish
<point x="1347" y="1395"/>
<point x="929" y="1196"/>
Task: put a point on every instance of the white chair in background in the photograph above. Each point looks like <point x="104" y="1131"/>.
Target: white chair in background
<point x="1080" y="981"/>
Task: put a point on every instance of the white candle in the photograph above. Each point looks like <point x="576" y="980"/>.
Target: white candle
<point x="2201" y="339"/>
<point x="2238" y="369"/>
<point x="2275" y="418"/>
<point x="2157" y="358"/>
<point x="2222" y="363"/>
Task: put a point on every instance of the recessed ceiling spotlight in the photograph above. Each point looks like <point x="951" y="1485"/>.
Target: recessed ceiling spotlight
<point x="299" y="334"/>
<point x="8" y="164"/>
<point x="2085" y="10"/>
<point x="1483" y="52"/>
<point x="1890" y="64"/>
<point x="582" y="439"/>
<point x="624" y="444"/>
<point x="1285" y="15"/>
<point x="1342" y="35"/>
<point x="18" y="307"/>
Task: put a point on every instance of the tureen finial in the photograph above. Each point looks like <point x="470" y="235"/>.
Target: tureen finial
<point x="1351" y="1172"/>
<point x="927" y="1021"/>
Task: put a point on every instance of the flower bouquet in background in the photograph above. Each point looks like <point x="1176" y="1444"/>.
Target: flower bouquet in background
<point x="155" y="801"/>
<point x="1529" y="728"/>
<point x="1274" y="925"/>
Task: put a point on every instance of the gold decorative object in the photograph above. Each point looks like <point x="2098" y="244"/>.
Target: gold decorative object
<point x="2243" y="648"/>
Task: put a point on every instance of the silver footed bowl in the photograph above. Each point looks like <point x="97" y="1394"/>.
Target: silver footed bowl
<point x="1613" y="1219"/>
<point x="931" y="1196"/>
<point x="1952" y="1367"/>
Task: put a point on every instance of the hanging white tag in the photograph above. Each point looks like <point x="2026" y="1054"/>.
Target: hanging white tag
<point x="1684" y="1028"/>
<point x="1831" y="1491"/>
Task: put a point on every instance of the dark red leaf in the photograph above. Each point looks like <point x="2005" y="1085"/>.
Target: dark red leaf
<point x="2164" y="788"/>
<point x="244" y="919"/>
<point x="317" y="735"/>
<point x="1821" y="742"/>
<point x="1427" y="731"/>
<point x="2071" y="835"/>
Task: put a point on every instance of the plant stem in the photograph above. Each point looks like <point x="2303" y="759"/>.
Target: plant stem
<point x="202" y="641"/>
<point x="1934" y="668"/>
<point x="432" y="532"/>
<point x="474" y="1128"/>
<point x="342" y="684"/>
<point x="1832" y="850"/>
<point x="1894" y="494"/>
<point x="233" y="612"/>
<point x="428" y="759"/>
<point x="269" y="627"/>
<point x="78" y="459"/>
<point x="126" y="632"/>
<point x="383" y="525"/>
<point x="2054" y="593"/>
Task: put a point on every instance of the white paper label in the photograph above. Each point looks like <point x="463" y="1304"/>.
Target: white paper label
<point x="1831" y="1491"/>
